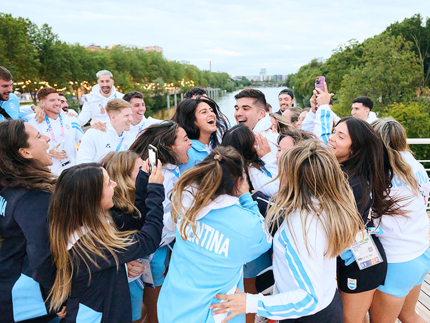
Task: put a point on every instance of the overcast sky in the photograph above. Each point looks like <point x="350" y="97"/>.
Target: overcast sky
<point x="238" y="37"/>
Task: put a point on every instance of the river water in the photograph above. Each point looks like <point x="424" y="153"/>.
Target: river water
<point x="226" y="102"/>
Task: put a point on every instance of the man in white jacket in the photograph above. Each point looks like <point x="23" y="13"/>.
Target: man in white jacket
<point x="362" y="109"/>
<point x="95" y="102"/>
<point x="138" y="109"/>
<point x="118" y="137"/>
<point x="250" y="110"/>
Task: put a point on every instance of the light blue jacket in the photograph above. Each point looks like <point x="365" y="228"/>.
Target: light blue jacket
<point x="229" y="235"/>
<point x="197" y="153"/>
<point x="11" y="106"/>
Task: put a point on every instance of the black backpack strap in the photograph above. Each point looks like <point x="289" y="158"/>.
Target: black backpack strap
<point x="5" y="114"/>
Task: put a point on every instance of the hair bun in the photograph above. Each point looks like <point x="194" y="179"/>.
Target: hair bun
<point x="218" y="157"/>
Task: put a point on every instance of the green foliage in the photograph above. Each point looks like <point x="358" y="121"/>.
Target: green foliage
<point x="388" y="72"/>
<point x="415" y="118"/>
<point x="304" y="82"/>
<point x="290" y="80"/>
<point x="37" y="54"/>
<point x="344" y="59"/>
<point x="392" y="68"/>
<point x="416" y="31"/>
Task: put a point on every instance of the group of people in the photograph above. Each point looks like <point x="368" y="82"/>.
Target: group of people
<point x="292" y="216"/>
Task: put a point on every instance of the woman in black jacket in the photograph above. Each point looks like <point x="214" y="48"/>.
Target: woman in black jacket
<point x="364" y="159"/>
<point x="130" y="173"/>
<point x="26" y="185"/>
<point x="88" y="250"/>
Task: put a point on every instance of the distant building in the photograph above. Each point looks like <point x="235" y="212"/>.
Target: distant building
<point x="146" y="49"/>
<point x="93" y="47"/>
<point x="263" y="74"/>
<point x="278" y="78"/>
<point x="262" y="77"/>
<point x="185" y="62"/>
<point x="153" y="48"/>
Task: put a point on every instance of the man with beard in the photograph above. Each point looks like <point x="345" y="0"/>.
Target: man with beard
<point x="95" y="102"/>
<point x="9" y="104"/>
<point x="65" y="105"/>
<point x="286" y="100"/>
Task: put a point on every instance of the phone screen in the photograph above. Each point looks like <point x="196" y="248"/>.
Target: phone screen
<point x="152" y="157"/>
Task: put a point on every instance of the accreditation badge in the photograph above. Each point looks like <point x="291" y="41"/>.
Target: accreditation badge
<point x="365" y="252"/>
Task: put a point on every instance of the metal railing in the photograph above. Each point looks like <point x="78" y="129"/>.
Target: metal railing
<point x="422" y="141"/>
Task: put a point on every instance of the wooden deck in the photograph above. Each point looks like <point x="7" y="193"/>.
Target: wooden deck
<point x="423" y="305"/>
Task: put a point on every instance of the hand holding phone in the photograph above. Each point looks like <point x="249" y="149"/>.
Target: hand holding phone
<point x="152" y="157"/>
<point x="323" y="96"/>
<point x="319" y="84"/>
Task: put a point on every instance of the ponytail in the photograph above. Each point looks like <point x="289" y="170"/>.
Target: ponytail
<point x="216" y="175"/>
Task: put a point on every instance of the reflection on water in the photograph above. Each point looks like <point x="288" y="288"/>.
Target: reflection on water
<point x="162" y="114"/>
<point x="227" y="102"/>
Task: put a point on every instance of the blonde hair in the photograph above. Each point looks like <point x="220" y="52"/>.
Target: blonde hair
<point x="312" y="183"/>
<point x="75" y="210"/>
<point x="216" y="175"/>
<point x="394" y="136"/>
<point x="282" y="123"/>
<point x="116" y="105"/>
<point x="120" y="165"/>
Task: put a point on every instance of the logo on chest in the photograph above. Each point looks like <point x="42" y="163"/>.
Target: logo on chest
<point x="67" y="126"/>
<point x="108" y="145"/>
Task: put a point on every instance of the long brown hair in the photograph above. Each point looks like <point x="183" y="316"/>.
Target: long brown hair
<point x="241" y="138"/>
<point x="185" y="116"/>
<point x="75" y="210"/>
<point x="15" y="170"/>
<point x="312" y="183"/>
<point x="394" y="136"/>
<point x="120" y="165"/>
<point x="369" y="160"/>
<point x="216" y="175"/>
<point x="162" y="136"/>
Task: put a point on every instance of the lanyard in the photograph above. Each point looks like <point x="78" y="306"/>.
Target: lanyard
<point x="176" y="173"/>
<point x="120" y="144"/>
<point x="63" y="136"/>
<point x="265" y="171"/>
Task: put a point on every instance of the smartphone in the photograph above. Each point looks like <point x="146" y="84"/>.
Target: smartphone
<point x="152" y="157"/>
<point x="319" y="84"/>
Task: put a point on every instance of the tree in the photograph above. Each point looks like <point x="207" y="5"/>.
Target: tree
<point x="415" y="118"/>
<point x="245" y="82"/>
<point x="290" y="80"/>
<point x="41" y="59"/>
<point x="418" y="33"/>
<point x="304" y="82"/>
<point x="388" y="72"/>
<point x="345" y="58"/>
<point x="17" y="50"/>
